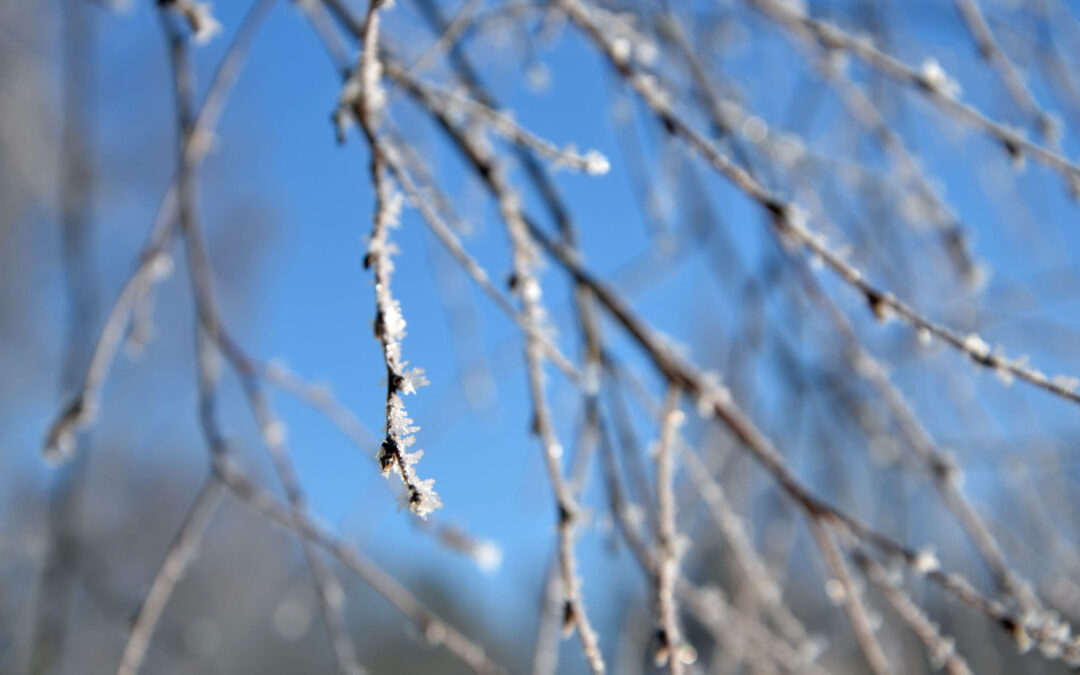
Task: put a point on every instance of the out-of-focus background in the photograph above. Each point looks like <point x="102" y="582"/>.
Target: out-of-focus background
<point x="933" y="205"/>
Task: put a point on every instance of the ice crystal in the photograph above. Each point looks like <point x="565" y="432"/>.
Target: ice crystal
<point x="203" y="24"/>
<point x="934" y="78"/>
<point x="161" y="267"/>
<point x="596" y="164"/>
<point x="1066" y="382"/>
<point x="836" y="591"/>
<point x="420" y="498"/>
<point x="925" y="561"/>
<point x="754" y="129"/>
<point x="976" y="346"/>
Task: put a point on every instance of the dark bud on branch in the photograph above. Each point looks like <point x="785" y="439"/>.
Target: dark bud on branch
<point x="569" y="619"/>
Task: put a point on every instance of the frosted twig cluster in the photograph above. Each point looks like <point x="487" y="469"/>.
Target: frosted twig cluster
<point x="930" y="80"/>
<point x="502" y="123"/>
<point x="838" y="501"/>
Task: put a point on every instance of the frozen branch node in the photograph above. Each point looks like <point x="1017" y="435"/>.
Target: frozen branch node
<point x="934" y="78"/>
<point x="204" y="27"/>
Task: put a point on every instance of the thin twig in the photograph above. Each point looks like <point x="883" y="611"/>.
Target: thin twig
<point x="154" y="263"/>
<point x="940" y="649"/>
<point x="672" y="647"/>
<point x="929" y="81"/>
<point x="331" y="597"/>
<point x="790" y="226"/>
<point x="177" y="559"/>
<point x="842" y="591"/>
<point x="435" y="629"/>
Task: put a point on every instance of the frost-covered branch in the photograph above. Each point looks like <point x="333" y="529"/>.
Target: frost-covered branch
<point x="843" y="592"/>
<point x="930" y="80"/>
<point x="807" y="432"/>
<point x="364" y="92"/>
<point x="155" y="263"/>
<point x="502" y="123"/>
<point x="431" y="626"/>
<point x="181" y="553"/>
<point x="212" y="335"/>
<point x="790" y="224"/>
<point x="940" y="649"/>
<point x="715" y="402"/>
<point x="672" y="646"/>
